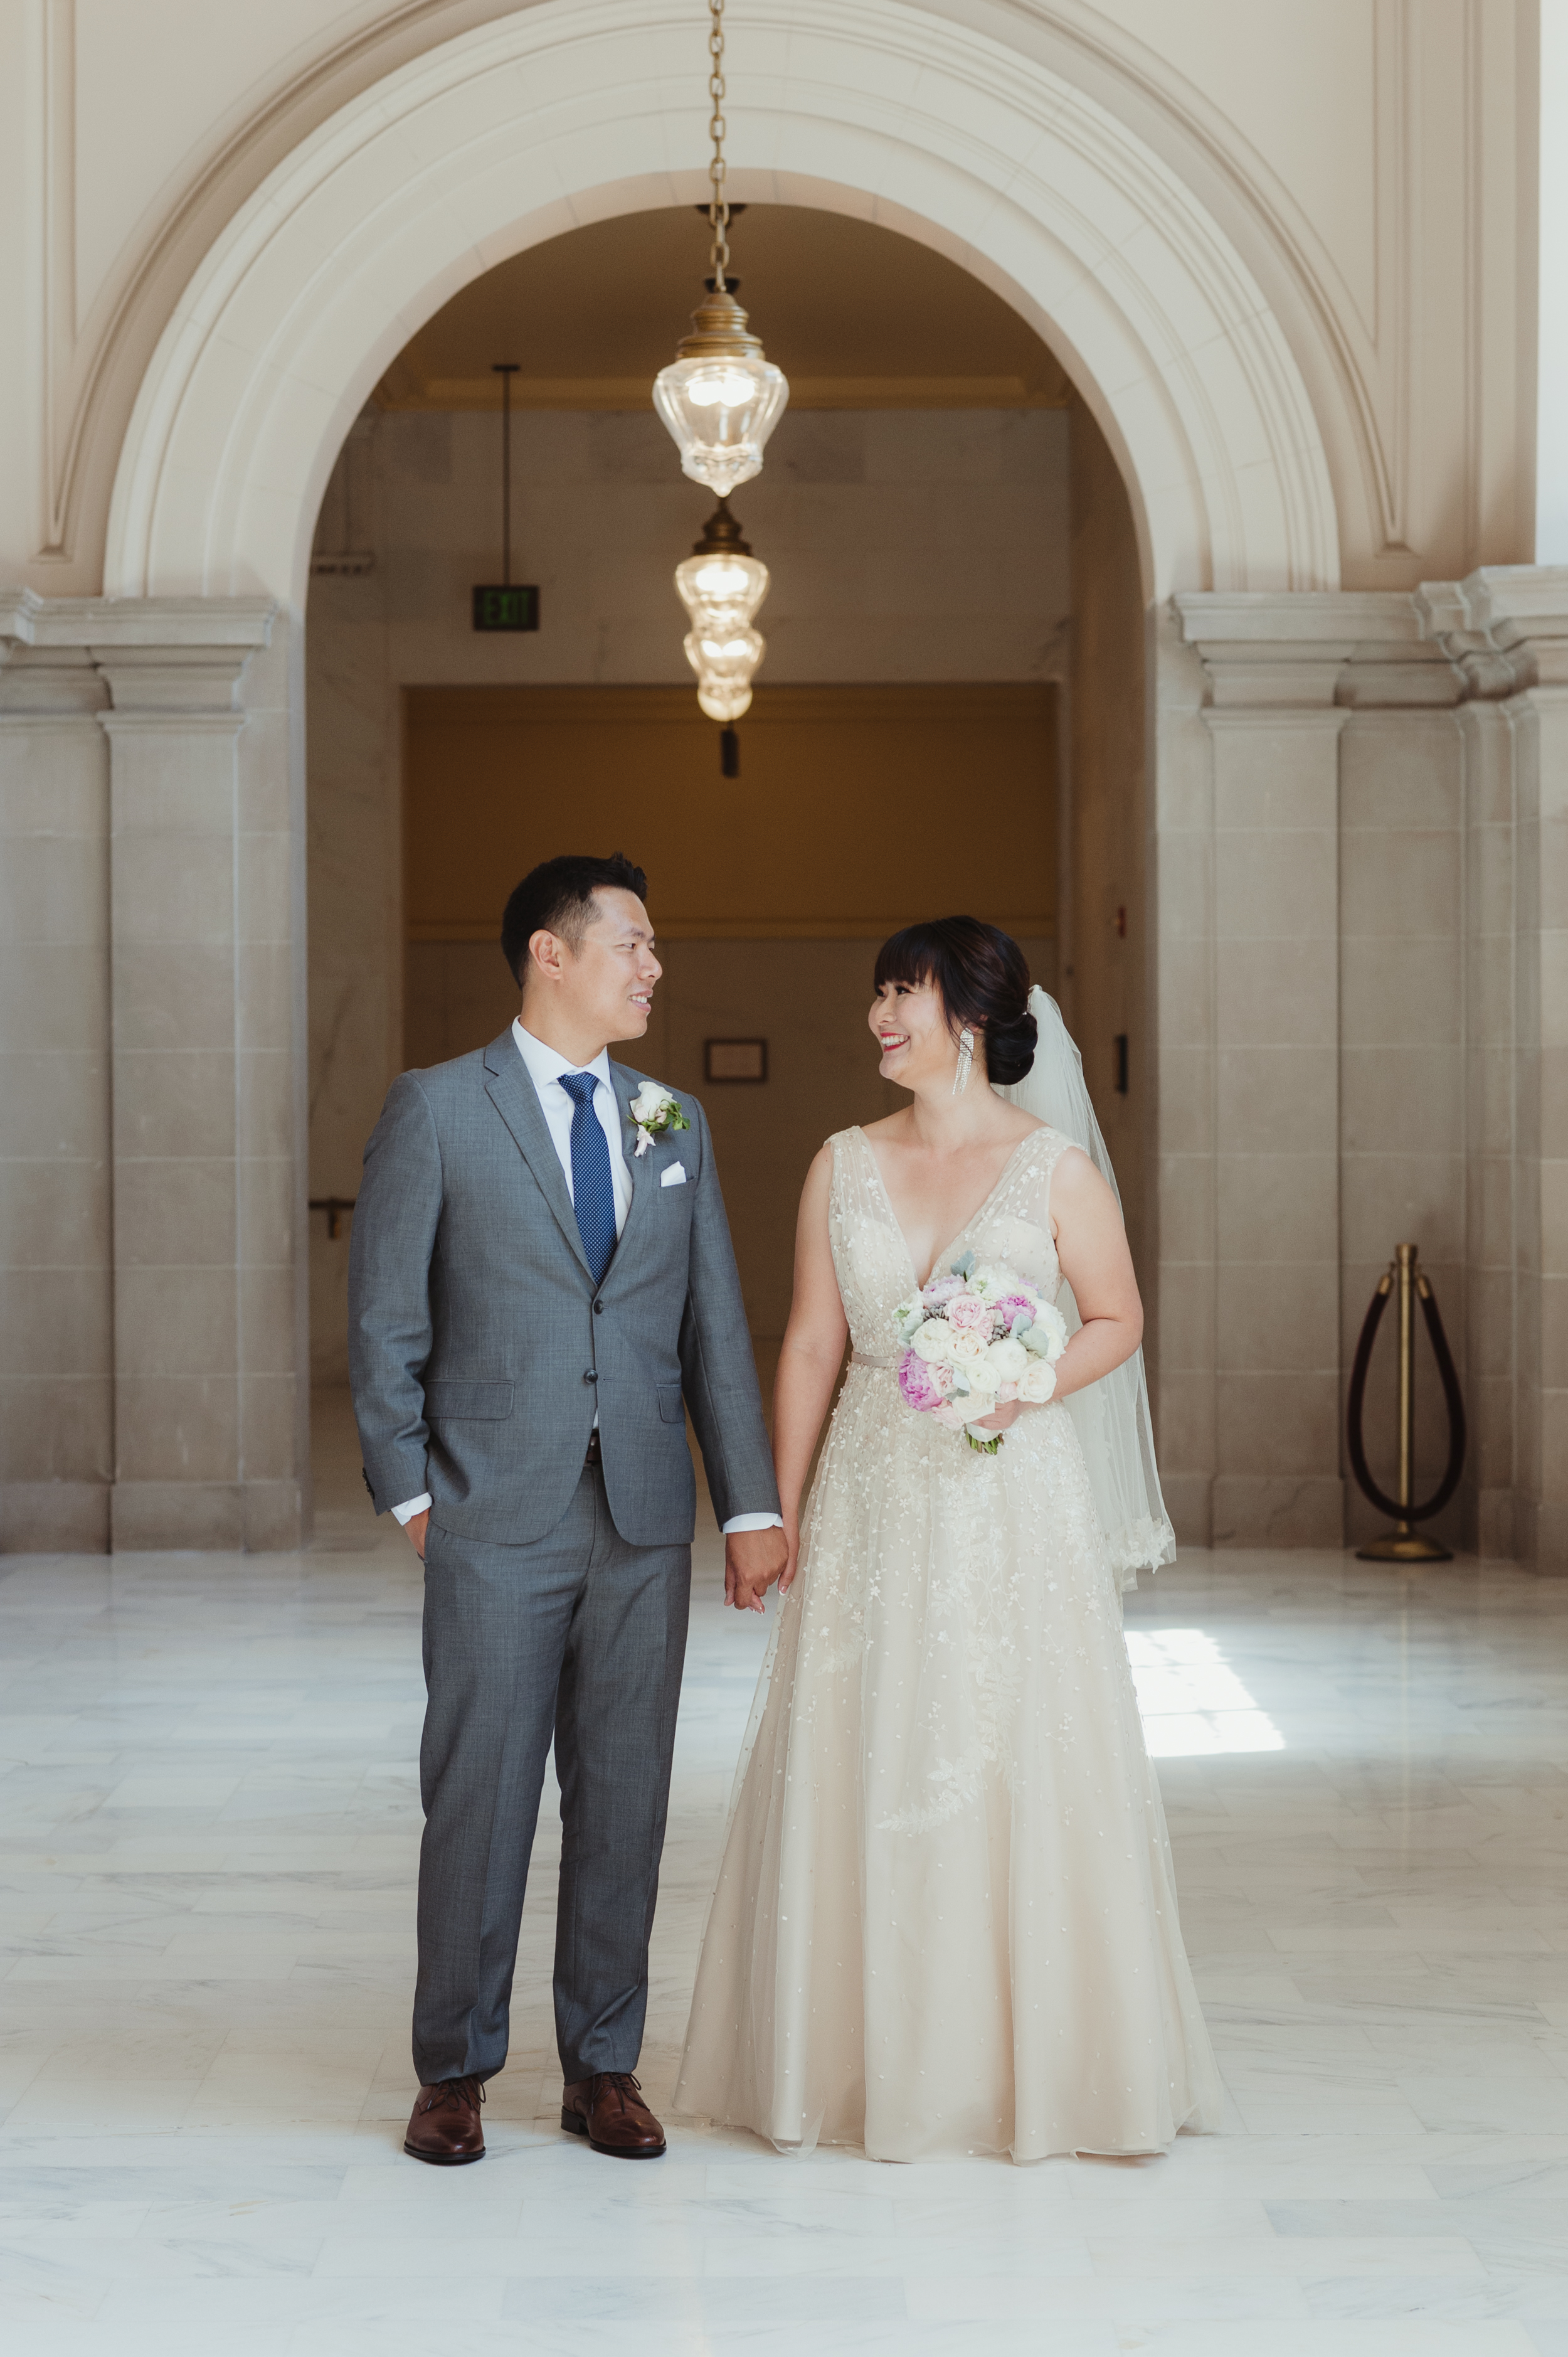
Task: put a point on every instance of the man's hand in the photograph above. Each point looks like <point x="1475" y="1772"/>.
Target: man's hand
<point x="752" y="1561"/>
<point x="414" y="1529"/>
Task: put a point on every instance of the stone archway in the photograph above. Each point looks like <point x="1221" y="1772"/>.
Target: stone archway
<point x="568" y="110"/>
<point x="192" y="661"/>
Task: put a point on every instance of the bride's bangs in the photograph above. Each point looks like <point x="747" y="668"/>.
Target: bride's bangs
<point x="956" y="955"/>
<point x="912" y="957"/>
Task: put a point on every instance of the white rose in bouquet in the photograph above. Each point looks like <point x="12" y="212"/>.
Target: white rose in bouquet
<point x="1047" y="1337"/>
<point x="963" y="1349"/>
<point x="933" y="1341"/>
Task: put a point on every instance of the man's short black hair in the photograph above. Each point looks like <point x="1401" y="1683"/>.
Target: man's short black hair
<point x="557" y="897"/>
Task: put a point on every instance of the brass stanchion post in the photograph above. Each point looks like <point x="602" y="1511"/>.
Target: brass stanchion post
<point x="1404" y="1542"/>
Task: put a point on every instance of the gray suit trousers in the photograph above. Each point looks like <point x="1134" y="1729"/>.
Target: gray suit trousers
<point x="579" y="1636"/>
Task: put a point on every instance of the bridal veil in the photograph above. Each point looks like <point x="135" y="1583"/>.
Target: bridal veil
<point x="1114" y="1428"/>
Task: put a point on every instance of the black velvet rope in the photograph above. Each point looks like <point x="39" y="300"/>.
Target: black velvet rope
<point x="1451" y="1399"/>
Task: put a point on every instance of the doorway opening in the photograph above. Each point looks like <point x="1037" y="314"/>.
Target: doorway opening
<point x="949" y="714"/>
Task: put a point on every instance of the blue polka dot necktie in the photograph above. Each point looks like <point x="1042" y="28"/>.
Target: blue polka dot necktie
<point x="592" y="1189"/>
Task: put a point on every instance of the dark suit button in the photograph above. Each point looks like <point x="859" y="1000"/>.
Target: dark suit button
<point x="592" y="1376"/>
<point x="599" y="1309"/>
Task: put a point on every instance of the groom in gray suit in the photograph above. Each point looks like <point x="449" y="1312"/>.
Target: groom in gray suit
<point x="532" y="1309"/>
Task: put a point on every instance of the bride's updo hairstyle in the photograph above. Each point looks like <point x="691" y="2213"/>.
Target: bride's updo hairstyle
<point x="982" y="978"/>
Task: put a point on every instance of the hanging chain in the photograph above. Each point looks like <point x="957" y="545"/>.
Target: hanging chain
<point x="718" y="204"/>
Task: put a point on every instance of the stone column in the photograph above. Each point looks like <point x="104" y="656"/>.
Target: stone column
<point x="55" y="1311"/>
<point x="1272" y="666"/>
<point x="204" y="931"/>
<point x="1507" y="628"/>
<point x="1488" y="740"/>
<point x="1403" y="999"/>
<point x="1180" y="1242"/>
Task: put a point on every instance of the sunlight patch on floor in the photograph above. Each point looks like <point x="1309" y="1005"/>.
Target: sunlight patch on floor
<point x="1190" y="1700"/>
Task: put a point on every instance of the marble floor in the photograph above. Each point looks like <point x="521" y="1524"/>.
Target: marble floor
<point x="210" y="1831"/>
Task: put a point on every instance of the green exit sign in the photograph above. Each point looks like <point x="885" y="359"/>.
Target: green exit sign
<point x="507" y="609"/>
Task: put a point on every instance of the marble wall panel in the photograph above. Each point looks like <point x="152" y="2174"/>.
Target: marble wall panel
<point x="1402" y="969"/>
<point x="206" y="911"/>
<point x="1180" y="1225"/>
<point x="1276" y="1018"/>
<point x="55" y="1401"/>
<point x="1540" y="725"/>
<point x="172" y="897"/>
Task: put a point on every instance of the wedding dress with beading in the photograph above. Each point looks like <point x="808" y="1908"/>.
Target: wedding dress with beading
<point x="946" y="1917"/>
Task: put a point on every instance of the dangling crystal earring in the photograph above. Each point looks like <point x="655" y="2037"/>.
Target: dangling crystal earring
<point x="966" y="1058"/>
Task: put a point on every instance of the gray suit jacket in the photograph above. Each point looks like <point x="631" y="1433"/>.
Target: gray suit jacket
<point x="479" y="1346"/>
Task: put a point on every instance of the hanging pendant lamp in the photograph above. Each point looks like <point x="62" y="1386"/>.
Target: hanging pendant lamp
<point x="721" y="396"/>
<point x="722" y="585"/>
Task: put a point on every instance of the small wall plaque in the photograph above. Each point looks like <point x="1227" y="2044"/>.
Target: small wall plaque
<point x="506" y="607"/>
<point x="734" y="1060"/>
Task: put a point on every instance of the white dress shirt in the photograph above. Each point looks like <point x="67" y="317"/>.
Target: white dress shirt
<point x="546" y="1067"/>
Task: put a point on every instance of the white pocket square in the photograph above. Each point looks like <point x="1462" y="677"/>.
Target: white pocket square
<point x="672" y="1175"/>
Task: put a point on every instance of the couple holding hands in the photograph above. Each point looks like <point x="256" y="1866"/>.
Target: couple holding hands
<point x="945" y="1920"/>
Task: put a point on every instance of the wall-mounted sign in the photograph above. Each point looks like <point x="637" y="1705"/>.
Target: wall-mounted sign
<point x="734" y="1060"/>
<point x="507" y="606"/>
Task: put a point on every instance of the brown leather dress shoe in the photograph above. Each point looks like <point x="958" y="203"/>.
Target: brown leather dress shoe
<point x="609" y="2111"/>
<point x="445" y="2127"/>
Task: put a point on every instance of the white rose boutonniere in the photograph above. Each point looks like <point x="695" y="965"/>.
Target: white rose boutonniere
<point x="655" y="1111"/>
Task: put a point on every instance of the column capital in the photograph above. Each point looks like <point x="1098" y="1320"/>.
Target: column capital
<point x="1504" y="627"/>
<point x="162" y="686"/>
<point x="177" y="656"/>
<point x="113" y="623"/>
<point x="1267" y="651"/>
<point x="49" y="684"/>
<point x="163" y="655"/>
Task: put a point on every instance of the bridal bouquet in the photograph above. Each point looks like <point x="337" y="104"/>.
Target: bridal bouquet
<point x="972" y="1340"/>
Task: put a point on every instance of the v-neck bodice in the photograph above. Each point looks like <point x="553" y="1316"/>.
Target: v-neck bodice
<point x="872" y="1260"/>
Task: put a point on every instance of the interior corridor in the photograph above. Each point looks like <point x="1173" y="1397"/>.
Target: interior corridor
<point x="212" y="1824"/>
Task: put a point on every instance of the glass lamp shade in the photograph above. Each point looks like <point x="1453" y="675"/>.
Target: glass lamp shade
<point x="720" y="397"/>
<point x="722" y="585"/>
<point x="724" y="669"/>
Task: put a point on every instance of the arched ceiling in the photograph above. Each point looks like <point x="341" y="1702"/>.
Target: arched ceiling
<point x="857" y="315"/>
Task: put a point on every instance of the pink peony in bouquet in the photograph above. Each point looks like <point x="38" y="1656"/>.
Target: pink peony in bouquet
<point x="972" y="1339"/>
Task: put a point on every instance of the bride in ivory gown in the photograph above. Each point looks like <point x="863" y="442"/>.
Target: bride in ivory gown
<point x="946" y="1921"/>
